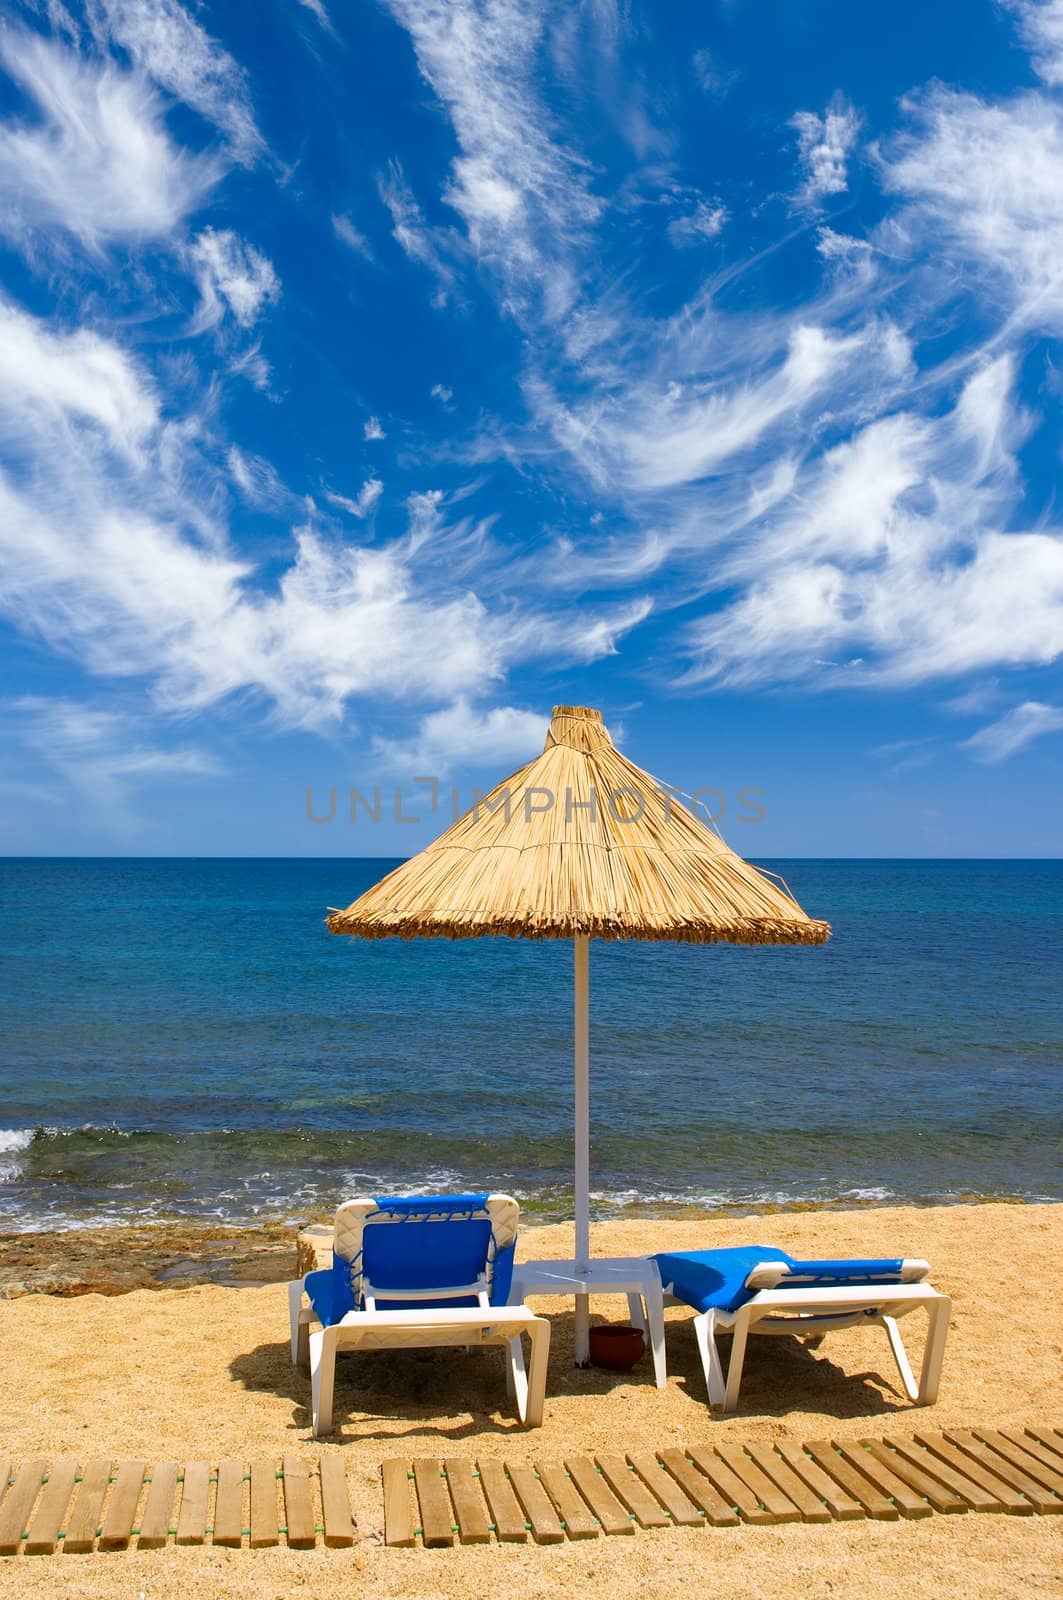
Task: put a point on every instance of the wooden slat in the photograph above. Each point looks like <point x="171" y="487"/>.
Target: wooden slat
<point x="630" y="1489"/>
<point x="538" y="1507"/>
<point x="121" y="1514"/>
<point x="50" y="1514"/>
<point x="473" y="1522"/>
<point x="1009" y="1464"/>
<point x="999" y="1464"/>
<point x="571" y="1508"/>
<point x="717" y="1508"/>
<point x="785" y="1478"/>
<point x="195" y="1502"/>
<point x="842" y="1506"/>
<point x="917" y="1477"/>
<point x="87" y="1510"/>
<point x="766" y="1490"/>
<point x="663" y="1487"/>
<point x="437" y="1518"/>
<point x="155" y="1523"/>
<point x="1046" y="1457"/>
<point x="506" y="1513"/>
<point x="977" y="1498"/>
<point x="298" y="1505"/>
<point x="874" y="1502"/>
<point x="336" y="1504"/>
<point x="229" y="1521"/>
<point x="263" y="1522"/>
<point x="1031" y="1465"/>
<point x="614" y="1517"/>
<point x="909" y="1502"/>
<point x="1007" y="1498"/>
<point x="17" y="1505"/>
<point x="735" y="1493"/>
<point x="398" y="1523"/>
<point x="1051" y="1438"/>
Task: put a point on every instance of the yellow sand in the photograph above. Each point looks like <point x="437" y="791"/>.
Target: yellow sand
<point x="204" y="1372"/>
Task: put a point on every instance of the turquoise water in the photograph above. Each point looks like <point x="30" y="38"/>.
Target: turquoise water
<point x="186" y="1038"/>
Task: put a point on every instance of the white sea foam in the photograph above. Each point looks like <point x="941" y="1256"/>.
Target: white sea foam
<point x="15" y="1139"/>
<point x="12" y="1140"/>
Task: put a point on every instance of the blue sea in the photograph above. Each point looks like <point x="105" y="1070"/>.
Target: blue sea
<point x="185" y="1038"/>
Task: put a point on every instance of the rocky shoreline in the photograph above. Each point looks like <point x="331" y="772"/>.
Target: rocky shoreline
<point x="113" y="1261"/>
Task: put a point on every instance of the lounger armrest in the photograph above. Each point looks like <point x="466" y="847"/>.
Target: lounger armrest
<point x="516" y="1317"/>
<point x="872" y="1273"/>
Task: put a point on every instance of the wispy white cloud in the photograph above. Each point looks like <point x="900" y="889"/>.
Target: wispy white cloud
<point x="462" y="735"/>
<point x="1040" y="24"/>
<point x="352" y="237"/>
<point x="524" y="195"/>
<point x="891" y="555"/>
<point x="1014" y="731"/>
<point x="318" y="10"/>
<point x="656" y="432"/>
<point x="824" y="144"/>
<point x="364" y="504"/>
<point x="233" y="274"/>
<point x="166" y="43"/>
<point x="97" y="163"/>
<point x="58" y="381"/>
<point x="709" y="74"/>
<point x="112" y="551"/>
<point x="251" y="364"/>
<point x="987" y="179"/>
<point x="256" y="480"/>
<point x="372" y="429"/>
<point x="834" y="246"/>
<point x="705" y="221"/>
<point x="413" y="235"/>
<point x="104" y="755"/>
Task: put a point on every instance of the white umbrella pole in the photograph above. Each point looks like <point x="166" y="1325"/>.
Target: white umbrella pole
<point x="583" y="1140"/>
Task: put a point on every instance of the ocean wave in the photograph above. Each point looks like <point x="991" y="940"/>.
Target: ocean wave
<point x="12" y="1141"/>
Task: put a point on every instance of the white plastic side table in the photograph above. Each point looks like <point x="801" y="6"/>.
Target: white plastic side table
<point x="634" y="1276"/>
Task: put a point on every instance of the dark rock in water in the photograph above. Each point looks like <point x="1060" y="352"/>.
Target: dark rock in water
<point x="167" y="1255"/>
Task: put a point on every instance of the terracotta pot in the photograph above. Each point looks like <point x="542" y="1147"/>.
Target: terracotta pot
<point x="617" y="1345"/>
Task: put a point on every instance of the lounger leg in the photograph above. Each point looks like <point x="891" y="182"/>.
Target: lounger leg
<point x="738" y="1356"/>
<point x="654" y="1299"/>
<point x="635" y="1311"/>
<point x="939" y="1312"/>
<point x="298" y="1319"/>
<point x="517" y="1375"/>
<point x="323" y="1344"/>
<point x="539" y="1334"/>
<point x="705" y="1332"/>
<point x="900" y="1355"/>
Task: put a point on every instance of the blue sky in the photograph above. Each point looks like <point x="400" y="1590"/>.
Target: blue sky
<point x="374" y="375"/>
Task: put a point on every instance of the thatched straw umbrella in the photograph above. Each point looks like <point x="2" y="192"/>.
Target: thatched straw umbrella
<point x="580" y="844"/>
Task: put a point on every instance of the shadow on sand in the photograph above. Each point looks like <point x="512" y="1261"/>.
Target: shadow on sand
<point x="404" y="1393"/>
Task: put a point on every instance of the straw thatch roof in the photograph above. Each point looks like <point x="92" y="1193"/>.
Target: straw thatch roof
<point x="580" y="841"/>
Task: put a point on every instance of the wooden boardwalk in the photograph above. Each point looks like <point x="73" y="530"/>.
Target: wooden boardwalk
<point x="440" y="1503"/>
<point x="63" y="1507"/>
<point x="101" y="1505"/>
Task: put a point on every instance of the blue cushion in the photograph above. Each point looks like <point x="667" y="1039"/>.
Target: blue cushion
<point x="419" y="1254"/>
<point x="330" y="1292"/>
<point x="717" y="1278"/>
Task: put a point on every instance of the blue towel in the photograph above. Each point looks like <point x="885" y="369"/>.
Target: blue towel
<point x="717" y="1278"/>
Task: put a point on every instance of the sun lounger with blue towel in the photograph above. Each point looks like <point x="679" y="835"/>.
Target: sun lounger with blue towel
<point x="759" y="1289"/>
<point x="415" y="1272"/>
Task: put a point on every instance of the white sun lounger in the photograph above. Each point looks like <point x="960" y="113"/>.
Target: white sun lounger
<point x="758" y="1289"/>
<point x="413" y="1273"/>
